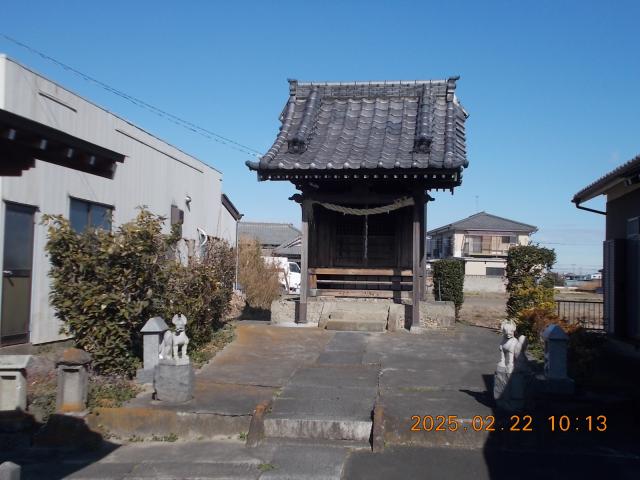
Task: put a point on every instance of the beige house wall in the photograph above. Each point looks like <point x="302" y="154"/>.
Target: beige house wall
<point x="479" y="266"/>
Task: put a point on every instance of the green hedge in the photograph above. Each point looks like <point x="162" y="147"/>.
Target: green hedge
<point x="106" y="285"/>
<point x="529" y="283"/>
<point x="448" y="281"/>
<point x="530" y="288"/>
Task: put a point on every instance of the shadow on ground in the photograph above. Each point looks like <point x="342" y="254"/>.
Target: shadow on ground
<point x="589" y="434"/>
<point x="506" y="446"/>
<point x="54" y="450"/>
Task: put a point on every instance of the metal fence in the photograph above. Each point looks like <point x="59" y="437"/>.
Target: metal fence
<point x="586" y="313"/>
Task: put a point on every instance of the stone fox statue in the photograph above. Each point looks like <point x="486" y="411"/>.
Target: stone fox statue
<point x="172" y="342"/>
<point x="512" y="350"/>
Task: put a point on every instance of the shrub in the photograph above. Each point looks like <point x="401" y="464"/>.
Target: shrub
<point x="528" y="283"/>
<point x="558" y="279"/>
<point x="532" y="322"/>
<point x="448" y="281"/>
<point x="259" y="282"/>
<point x="110" y="392"/>
<point x="585" y="349"/>
<point x="105" y="285"/>
<point x="201" y="290"/>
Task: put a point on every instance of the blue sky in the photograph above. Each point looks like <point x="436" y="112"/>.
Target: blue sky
<point x="551" y="87"/>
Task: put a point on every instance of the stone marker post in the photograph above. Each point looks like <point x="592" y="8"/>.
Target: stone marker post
<point x="13" y="382"/>
<point x="73" y="380"/>
<point x="556" y="343"/>
<point x="152" y="335"/>
<point x="10" y="471"/>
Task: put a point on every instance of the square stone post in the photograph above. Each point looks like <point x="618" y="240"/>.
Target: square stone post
<point x="13" y="382"/>
<point x="555" y="352"/>
<point x="152" y="333"/>
<point x="556" y="343"/>
<point x="73" y="380"/>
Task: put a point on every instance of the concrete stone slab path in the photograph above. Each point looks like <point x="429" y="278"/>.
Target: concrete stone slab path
<point x="323" y="386"/>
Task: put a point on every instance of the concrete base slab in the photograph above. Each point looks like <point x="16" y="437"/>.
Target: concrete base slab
<point x="405" y="411"/>
<point x="312" y="463"/>
<point x="265" y="356"/>
<point x="348" y="342"/>
<point x="487" y="464"/>
<point x="340" y="358"/>
<point x="356" y="326"/>
<point x="333" y="403"/>
<point x="336" y="377"/>
<point x="324" y="429"/>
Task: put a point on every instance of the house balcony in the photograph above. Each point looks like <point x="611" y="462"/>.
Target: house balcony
<point x="485" y="253"/>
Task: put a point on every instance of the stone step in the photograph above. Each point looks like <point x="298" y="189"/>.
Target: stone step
<point x="356" y="316"/>
<point x="358" y="431"/>
<point x="362" y="313"/>
<point x="325" y="402"/>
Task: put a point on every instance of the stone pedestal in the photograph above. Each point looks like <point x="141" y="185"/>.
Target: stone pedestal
<point x="13" y="382"/>
<point x="511" y="390"/>
<point x="152" y="333"/>
<point x="173" y="381"/>
<point x="73" y="380"/>
<point x="9" y="471"/>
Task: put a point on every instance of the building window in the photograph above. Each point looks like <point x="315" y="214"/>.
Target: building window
<point x="474" y="244"/>
<point x="85" y="215"/>
<point x="495" y="272"/>
<point x="448" y="249"/>
<point x="438" y="252"/>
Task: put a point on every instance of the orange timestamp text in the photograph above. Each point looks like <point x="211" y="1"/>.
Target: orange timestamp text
<point x="515" y="423"/>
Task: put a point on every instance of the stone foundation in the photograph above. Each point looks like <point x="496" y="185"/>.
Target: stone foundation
<point x="321" y="310"/>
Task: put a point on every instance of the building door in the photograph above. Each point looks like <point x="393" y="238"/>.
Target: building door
<point x="16" y="273"/>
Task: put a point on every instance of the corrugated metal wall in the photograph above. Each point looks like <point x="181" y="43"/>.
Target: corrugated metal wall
<point x="154" y="174"/>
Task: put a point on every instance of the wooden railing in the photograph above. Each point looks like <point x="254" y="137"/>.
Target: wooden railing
<point x="360" y="282"/>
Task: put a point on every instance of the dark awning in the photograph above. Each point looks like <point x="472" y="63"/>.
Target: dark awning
<point x="23" y="140"/>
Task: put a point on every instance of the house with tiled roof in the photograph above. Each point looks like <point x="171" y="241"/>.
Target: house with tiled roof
<point x="621" y="272"/>
<point x="482" y="240"/>
<point x="364" y="157"/>
<point x="270" y="235"/>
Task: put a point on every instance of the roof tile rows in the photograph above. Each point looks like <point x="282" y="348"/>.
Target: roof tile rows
<point x="632" y="167"/>
<point x="268" y="234"/>
<point x="390" y="125"/>
<point x="483" y="221"/>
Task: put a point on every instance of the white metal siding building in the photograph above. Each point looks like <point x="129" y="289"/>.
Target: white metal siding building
<point x="154" y="174"/>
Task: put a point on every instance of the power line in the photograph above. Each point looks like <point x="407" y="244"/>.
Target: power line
<point x="142" y="104"/>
